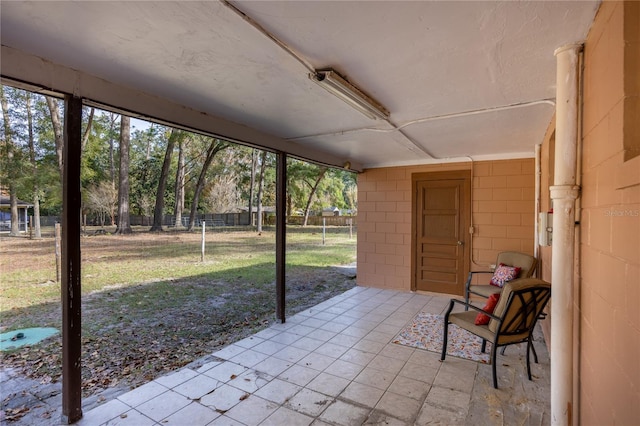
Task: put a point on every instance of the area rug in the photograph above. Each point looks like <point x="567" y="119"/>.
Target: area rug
<point x="425" y="332"/>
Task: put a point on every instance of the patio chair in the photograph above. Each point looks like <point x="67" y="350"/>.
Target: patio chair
<point x="512" y="321"/>
<point x="525" y="262"/>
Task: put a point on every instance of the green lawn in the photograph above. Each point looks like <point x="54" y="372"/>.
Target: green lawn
<point x="28" y="267"/>
<point x="151" y="305"/>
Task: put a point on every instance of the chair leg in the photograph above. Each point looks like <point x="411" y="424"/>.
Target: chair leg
<point x="535" y="355"/>
<point x="466" y="297"/>
<point x="494" y="353"/>
<point x="445" y="336"/>
<point x="484" y="345"/>
<point x="529" y="346"/>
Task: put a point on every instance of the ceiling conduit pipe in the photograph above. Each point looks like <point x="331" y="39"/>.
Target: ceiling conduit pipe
<point x="564" y="194"/>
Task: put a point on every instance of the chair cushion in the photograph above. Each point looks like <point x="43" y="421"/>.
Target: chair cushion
<point x="484" y="290"/>
<point x="492" y="301"/>
<point x="503" y="274"/>
<point x="527" y="262"/>
<point x="466" y="320"/>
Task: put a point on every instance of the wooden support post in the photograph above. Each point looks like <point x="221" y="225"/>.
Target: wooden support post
<point x="281" y="233"/>
<point x="71" y="279"/>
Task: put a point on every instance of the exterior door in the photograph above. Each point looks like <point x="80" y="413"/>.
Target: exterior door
<point x="441" y="217"/>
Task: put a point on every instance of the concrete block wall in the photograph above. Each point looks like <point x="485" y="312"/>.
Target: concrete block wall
<point x="503" y="217"/>
<point x="609" y="367"/>
<point x="503" y="209"/>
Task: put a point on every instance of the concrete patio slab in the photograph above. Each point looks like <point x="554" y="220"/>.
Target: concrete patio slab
<point x="335" y="364"/>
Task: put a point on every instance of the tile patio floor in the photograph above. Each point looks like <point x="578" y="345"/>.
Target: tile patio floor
<point x="333" y="364"/>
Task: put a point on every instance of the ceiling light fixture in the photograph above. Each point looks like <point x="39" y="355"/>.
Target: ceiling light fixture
<point x="337" y="85"/>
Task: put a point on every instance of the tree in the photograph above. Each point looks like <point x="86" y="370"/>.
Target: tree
<point x="124" y="225"/>
<point x="263" y="165"/>
<point x="180" y="182"/>
<point x="321" y="170"/>
<point x="34" y="171"/>
<point x="31" y="161"/>
<point x="112" y="164"/>
<point x="303" y="181"/>
<point x="54" y="110"/>
<point x="147" y="152"/>
<point x="331" y="190"/>
<point x="158" y="212"/>
<point x="215" y="146"/>
<point x="87" y="130"/>
<point x="252" y="182"/>
<point x="350" y="193"/>
<point x="226" y="187"/>
<point x="102" y="199"/>
<point x="223" y="195"/>
<point x="11" y="163"/>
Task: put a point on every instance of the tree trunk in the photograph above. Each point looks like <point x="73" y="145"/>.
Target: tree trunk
<point x="34" y="168"/>
<point x="149" y="138"/>
<point x="54" y="111"/>
<point x="87" y="131"/>
<point x="254" y="161"/>
<point x="158" y="212"/>
<point x="159" y="209"/>
<point x="216" y="146"/>
<point x="37" y="230"/>
<point x="260" y="190"/>
<point x="124" y="224"/>
<point x="13" y="201"/>
<point x="314" y="188"/>
<point x="180" y="177"/>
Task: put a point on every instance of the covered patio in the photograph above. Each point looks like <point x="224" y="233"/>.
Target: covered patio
<point x="336" y="363"/>
<point x="472" y="90"/>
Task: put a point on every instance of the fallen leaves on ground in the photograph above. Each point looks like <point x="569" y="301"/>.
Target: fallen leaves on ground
<point x="12" y="414"/>
<point x="130" y="343"/>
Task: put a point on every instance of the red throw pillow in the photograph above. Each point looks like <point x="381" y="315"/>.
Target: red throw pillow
<point x="504" y="274"/>
<point x="482" y="319"/>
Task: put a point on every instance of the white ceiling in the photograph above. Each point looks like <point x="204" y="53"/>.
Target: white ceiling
<point x="460" y="79"/>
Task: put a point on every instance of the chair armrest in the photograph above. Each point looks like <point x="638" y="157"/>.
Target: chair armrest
<point x="468" y="305"/>
<point x="471" y="273"/>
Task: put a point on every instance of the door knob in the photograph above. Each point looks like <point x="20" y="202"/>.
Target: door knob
<point x="460" y="243"/>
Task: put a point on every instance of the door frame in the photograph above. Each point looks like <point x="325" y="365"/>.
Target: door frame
<point x="465" y="214"/>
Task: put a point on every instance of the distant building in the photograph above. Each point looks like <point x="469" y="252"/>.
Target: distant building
<point x="331" y="211"/>
<point x="5" y="214"/>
